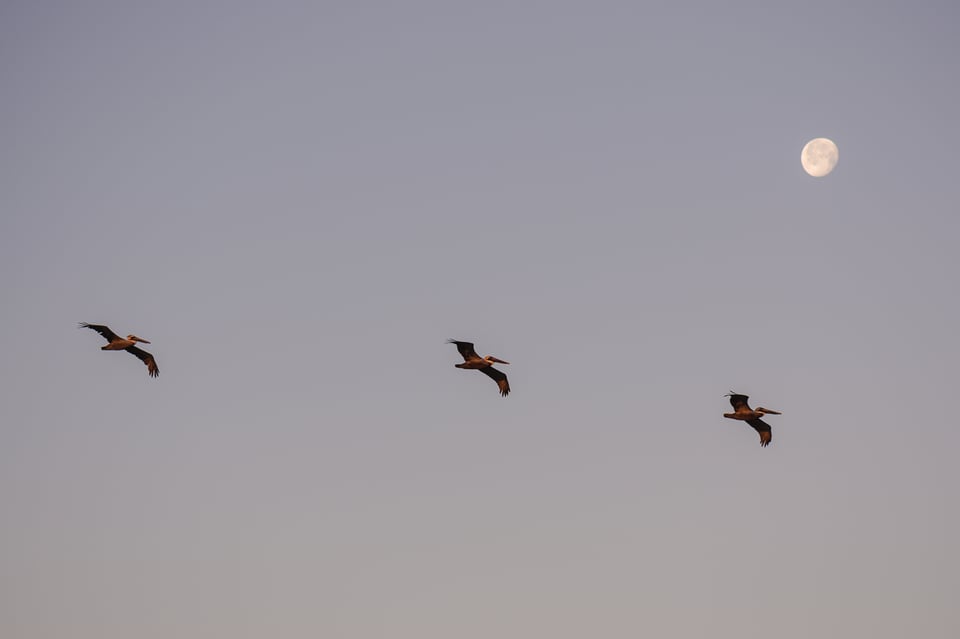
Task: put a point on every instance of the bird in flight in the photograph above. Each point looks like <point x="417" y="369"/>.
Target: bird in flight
<point x="743" y="412"/>
<point x="483" y="364"/>
<point x="117" y="343"/>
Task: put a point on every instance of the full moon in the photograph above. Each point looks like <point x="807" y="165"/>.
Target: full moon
<point x="819" y="156"/>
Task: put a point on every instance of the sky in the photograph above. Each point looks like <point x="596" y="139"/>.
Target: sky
<point x="298" y="202"/>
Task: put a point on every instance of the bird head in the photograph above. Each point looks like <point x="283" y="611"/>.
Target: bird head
<point x="134" y="338"/>
<point x="491" y="358"/>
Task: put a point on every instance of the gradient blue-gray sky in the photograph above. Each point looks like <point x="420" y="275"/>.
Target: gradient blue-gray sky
<point x="298" y="202"/>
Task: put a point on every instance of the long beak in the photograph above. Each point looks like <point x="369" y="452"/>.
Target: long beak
<point x="768" y="411"/>
<point x="140" y="339"/>
<point x="494" y="359"/>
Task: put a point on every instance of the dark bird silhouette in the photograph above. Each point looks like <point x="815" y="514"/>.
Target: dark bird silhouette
<point x="117" y="343"/>
<point x="483" y="364"/>
<point x="743" y="412"/>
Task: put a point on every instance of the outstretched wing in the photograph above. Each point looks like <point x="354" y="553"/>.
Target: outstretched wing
<point x="465" y="348"/>
<point x="739" y="402"/>
<point x="146" y="358"/>
<point x="103" y="330"/>
<point x="763" y="428"/>
<point x="499" y="377"/>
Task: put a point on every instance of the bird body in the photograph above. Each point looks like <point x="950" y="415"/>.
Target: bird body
<point x="472" y="361"/>
<point x="122" y="344"/>
<point x="743" y="412"/>
<point x="117" y="343"/>
<point x="478" y="364"/>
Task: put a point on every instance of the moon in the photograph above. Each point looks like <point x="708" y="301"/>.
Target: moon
<point x="819" y="156"/>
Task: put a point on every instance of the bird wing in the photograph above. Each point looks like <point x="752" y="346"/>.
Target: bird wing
<point x="762" y="427"/>
<point x="465" y="348"/>
<point x="103" y="330"/>
<point x="146" y="358"/>
<point x="739" y="402"/>
<point x="499" y="377"/>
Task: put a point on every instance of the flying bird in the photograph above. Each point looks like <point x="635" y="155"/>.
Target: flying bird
<point x="483" y="364"/>
<point x="743" y="412"/>
<point x="117" y="343"/>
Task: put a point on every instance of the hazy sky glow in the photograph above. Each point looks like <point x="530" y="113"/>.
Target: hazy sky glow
<point x="298" y="202"/>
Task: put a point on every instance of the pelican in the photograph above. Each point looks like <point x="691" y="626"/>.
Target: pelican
<point x="117" y="343"/>
<point x="743" y="412"/>
<point x="483" y="364"/>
